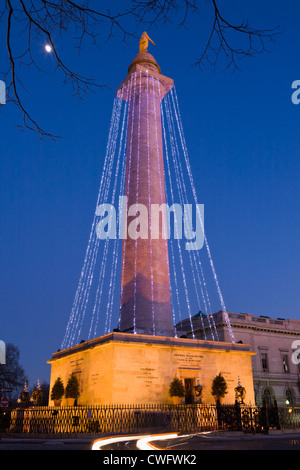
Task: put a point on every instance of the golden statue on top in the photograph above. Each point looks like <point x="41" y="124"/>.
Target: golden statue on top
<point x="144" y="41"/>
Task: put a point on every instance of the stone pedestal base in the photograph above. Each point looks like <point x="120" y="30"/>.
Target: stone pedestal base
<point x="124" y="368"/>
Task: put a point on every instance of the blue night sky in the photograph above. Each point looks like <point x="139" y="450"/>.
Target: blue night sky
<point x="242" y="132"/>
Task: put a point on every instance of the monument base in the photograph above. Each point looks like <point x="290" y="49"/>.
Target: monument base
<point x="124" y="368"/>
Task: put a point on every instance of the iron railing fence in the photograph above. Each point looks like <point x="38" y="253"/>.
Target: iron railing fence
<point x="289" y="417"/>
<point x="118" y="419"/>
<point x="112" y="419"/>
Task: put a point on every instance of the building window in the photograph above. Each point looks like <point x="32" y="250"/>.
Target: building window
<point x="290" y="398"/>
<point x="285" y="363"/>
<point x="268" y="399"/>
<point x="264" y="362"/>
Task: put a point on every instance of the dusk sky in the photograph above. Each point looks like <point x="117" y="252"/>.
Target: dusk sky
<point x="242" y="132"/>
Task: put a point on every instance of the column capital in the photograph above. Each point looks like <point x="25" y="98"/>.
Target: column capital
<point x="144" y="65"/>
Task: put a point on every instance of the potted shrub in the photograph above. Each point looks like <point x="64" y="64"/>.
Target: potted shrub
<point x="219" y="387"/>
<point x="72" y="390"/>
<point x="57" y="391"/>
<point x="176" y="390"/>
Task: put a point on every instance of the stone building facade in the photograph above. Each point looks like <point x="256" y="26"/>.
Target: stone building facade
<point x="276" y="374"/>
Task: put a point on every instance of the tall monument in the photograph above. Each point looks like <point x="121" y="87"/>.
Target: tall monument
<point x="137" y="363"/>
<point x="145" y="283"/>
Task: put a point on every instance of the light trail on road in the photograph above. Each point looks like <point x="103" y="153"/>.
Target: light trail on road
<point x="99" y="443"/>
<point x="143" y="442"/>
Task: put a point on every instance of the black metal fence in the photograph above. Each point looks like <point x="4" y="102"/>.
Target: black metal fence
<point x="289" y="417"/>
<point x="145" y="418"/>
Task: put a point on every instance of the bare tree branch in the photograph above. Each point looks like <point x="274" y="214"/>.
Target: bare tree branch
<point x="223" y="34"/>
<point x="221" y="39"/>
<point x="43" y="18"/>
<point x="49" y="18"/>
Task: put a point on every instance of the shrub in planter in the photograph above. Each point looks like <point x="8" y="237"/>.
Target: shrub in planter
<point x="57" y="391"/>
<point x="176" y="389"/>
<point x="72" y="389"/>
<point x="219" y="387"/>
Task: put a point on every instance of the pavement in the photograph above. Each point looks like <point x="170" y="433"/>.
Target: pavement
<point x="277" y="440"/>
<point x="196" y="442"/>
<point x="9" y="443"/>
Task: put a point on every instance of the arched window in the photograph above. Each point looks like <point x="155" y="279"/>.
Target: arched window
<point x="268" y="399"/>
<point x="290" y="396"/>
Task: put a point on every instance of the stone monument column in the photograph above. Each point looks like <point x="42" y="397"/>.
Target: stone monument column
<point x="145" y="281"/>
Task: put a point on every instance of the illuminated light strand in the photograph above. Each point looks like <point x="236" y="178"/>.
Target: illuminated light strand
<point x="98" y="299"/>
<point x="95" y="253"/>
<point x="160" y="178"/>
<point x="116" y="243"/>
<point x="115" y="251"/>
<point x="157" y="153"/>
<point x="82" y="294"/>
<point x="173" y="150"/>
<point x="182" y="189"/>
<point x="171" y="185"/>
<point x="158" y="162"/>
<point x="94" y="258"/>
<point x="136" y="202"/>
<point x="184" y="199"/>
<point x="82" y="280"/>
<point x="167" y="242"/>
<point x="194" y="266"/>
<point x="103" y="199"/>
<point x="149" y="204"/>
<point x="131" y="112"/>
<point x="122" y="187"/>
<point x="87" y="255"/>
<point x="184" y="147"/>
<point x="122" y="191"/>
<point x="130" y="92"/>
<point x="176" y="162"/>
<point x="99" y="293"/>
<point x="175" y="223"/>
<point x="208" y="301"/>
<point x="204" y="293"/>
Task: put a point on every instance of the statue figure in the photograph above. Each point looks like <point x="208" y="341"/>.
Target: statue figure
<point x="144" y="41"/>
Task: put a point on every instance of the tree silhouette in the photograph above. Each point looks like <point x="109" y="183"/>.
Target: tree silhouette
<point x="12" y="375"/>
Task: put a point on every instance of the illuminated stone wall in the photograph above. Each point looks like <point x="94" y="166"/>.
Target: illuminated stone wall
<point x="124" y="368"/>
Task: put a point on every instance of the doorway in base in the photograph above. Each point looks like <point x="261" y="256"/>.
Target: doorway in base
<point x="189" y="391"/>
